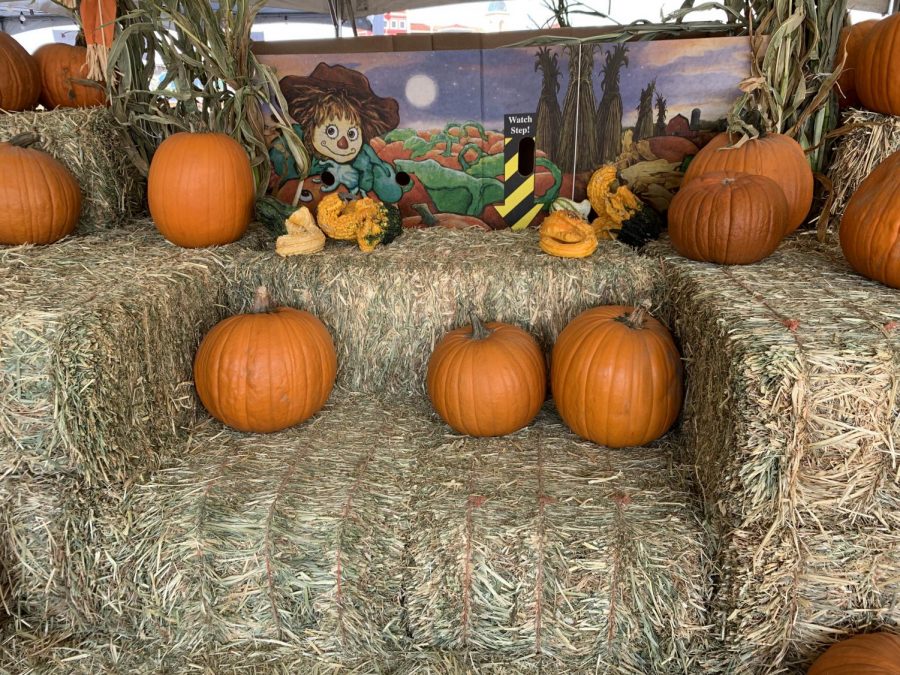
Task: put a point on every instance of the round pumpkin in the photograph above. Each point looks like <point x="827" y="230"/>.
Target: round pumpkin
<point x="40" y="201"/>
<point x="878" y="67"/>
<point x="870" y="228"/>
<point x="200" y="189"/>
<point x="775" y="156"/>
<point x="60" y="65"/>
<point x="866" y="654"/>
<point x="849" y="43"/>
<point x="266" y="370"/>
<point x="20" y="78"/>
<point x="616" y="376"/>
<point x="487" y="380"/>
<point x="728" y="218"/>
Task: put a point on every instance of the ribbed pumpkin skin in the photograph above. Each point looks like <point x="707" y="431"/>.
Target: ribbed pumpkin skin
<point x="775" y="156"/>
<point x="878" y="67"/>
<point x="59" y="64"/>
<point x="200" y="189"/>
<point x="867" y="654"/>
<point x="851" y="40"/>
<point x="265" y="372"/>
<point x="615" y="385"/>
<point x="728" y="218"/>
<point x="20" y="78"/>
<point x="488" y="387"/>
<point x="870" y="228"/>
<point x="40" y="201"/>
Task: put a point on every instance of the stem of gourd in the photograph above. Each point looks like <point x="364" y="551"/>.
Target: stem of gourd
<point x="426" y="214"/>
<point x="638" y="315"/>
<point x="479" y="330"/>
<point x="262" y="301"/>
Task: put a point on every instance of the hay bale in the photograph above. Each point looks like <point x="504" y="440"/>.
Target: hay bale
<point x="86" y="141"/>
<point x="869" y="139"/>
<point x="791" y="418"/>
<point x="387" y="309"/>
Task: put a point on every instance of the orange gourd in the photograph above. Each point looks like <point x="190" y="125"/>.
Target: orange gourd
<point x="40" y="201"/>
<point x="866" y="654"/>
<point x="20" y="78"/>
<point x="849" y="43"/>
<point x="60" y="65"/>
<point x="878" y="67"/>
<point x="487" y="380"/>
<point x="728" y="218"/>
<point x="775" y="156"/>
<point x="616" y="376"/>
<point x="200" y="189"/>
<point x="267" y="370"/>
<point x="870" y="228"/>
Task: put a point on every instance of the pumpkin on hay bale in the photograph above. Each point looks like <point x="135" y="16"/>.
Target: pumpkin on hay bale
<point x="63" y="74"/>
<point x="20" y="77"/>
<point x="877" y="78"/>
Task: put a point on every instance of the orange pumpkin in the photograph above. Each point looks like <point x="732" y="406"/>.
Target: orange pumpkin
<point x="60" y="66"/>
<point x="616" y="376"/>
<point x="775" y="156"/>
<point x="869" y="654"/>
<point x="849" y="44"/>
<point x="487" y="380"/>
<point x="870" y="228"/>
<point x="40" y="201"/>
<point x="20" y="78"/>
<point x="878" y="67"/>
<point x="728" y="218"/>
<point x="200" y="189"/>
<point x="267" y="370"/>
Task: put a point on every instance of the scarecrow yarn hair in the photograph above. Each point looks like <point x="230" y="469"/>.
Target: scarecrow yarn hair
<point x="311" y="106"/>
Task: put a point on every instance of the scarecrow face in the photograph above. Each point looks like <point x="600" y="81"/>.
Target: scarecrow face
<point x="338" y="138"/>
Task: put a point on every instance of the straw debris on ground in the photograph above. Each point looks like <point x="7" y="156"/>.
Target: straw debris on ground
<point x="88" y="142"/>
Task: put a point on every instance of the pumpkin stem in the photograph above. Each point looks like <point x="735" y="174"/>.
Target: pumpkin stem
<point x="24" y="140"/>
<point x="427" y="216"/>
<point x="262" y="301"/>
<point x="479" y="330"/>
<point x="638" y="315"/>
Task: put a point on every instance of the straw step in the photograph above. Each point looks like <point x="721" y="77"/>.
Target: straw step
<point x="373" y="531"/>
<point x="791" y="418"/>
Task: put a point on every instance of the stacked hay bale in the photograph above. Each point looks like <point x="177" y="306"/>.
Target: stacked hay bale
<point x="86" y="141"/>
<point x="791" y="418"/>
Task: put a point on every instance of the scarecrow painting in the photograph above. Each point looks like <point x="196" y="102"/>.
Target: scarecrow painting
<point x="337" y="114"/>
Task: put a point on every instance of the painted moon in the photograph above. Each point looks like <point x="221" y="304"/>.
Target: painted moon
<point x="421" y="91"/>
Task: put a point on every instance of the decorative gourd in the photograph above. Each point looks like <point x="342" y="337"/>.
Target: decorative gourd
<point x="728" y="218"/>
<point x="582" y="208"/>
<point x="878" y="67"/>
<point x="20" y="77"/>
<point x="850" y="41"/>
<point x="200" y="189"/>
<point x="451" y="221"/>
<point x="616" y="376"/>
<point x="487" y="380"/>
<point x="40" y="201"/>
<point x="267" y="370"/>
<point x="381" y="225"/>
<point x="361" y="219"/>
<point x="775" y="156"/>
<point x="273" y="213"/>
<point x="870" y="228"/>
<point x="620" y="213"/>
<point x="566" y="235"/>
<point x="60" y="66"/>
<point x="303" y="235"/>
<point x="869" y="653"/>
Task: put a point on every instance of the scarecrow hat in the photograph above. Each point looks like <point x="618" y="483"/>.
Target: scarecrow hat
<point x="380" y="114"/>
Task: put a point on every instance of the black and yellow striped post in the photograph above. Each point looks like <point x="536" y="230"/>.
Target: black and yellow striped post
<point x="518" y="208"/>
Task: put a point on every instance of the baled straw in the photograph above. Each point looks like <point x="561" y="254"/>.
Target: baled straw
<point x="87" y="141"/>
<point x="791" y="419"/>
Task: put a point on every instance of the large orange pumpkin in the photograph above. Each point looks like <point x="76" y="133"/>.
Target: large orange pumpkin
<point x="775" y="156"/>
<point x="487" y="380"/>
<point x="870" y="228"/>
<point x="200" y="189"/>
<point x="40" y="201"/>
<point x="267" y="370"/>
<point x="728" y="218"/>
<point x="616" y="376"/>
<point x="60" y="66"/>
<point x="20" y="78"/>
<point x="878" y="67"/>
<point x="866" y="654"/>
<point x="850" y="41"/>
